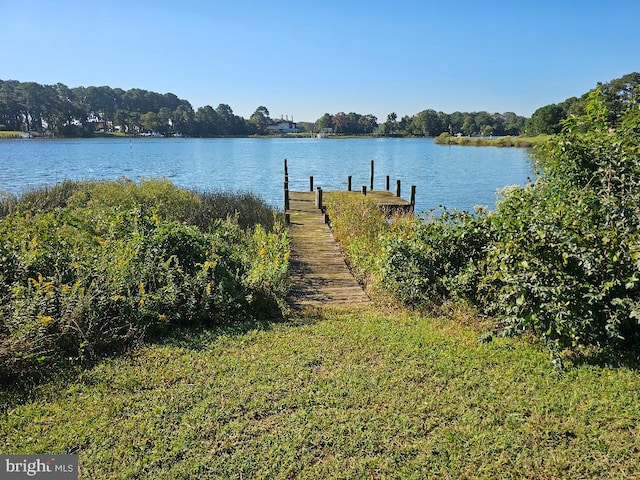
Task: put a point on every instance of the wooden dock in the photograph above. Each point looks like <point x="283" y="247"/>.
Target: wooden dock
<point x="319" y="274"/>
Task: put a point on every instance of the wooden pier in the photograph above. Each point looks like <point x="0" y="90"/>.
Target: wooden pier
<point x="319" y="274"/>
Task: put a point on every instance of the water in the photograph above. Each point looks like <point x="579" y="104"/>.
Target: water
<point x="458" y="177"/>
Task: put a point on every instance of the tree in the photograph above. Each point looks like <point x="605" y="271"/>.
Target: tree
<point x="324" y="122"/>
<point x="206" y="119"/>
<point x="228" y="123"/>
<point x="427" y="124"/>
<point x="149" y="122"/>
<point x="391" y="125"/>
<point x="469" y="124"/>
<point x="368" y="124"/>
<point x="184" y="119"/>
<point x="512" y="124"/>
<point x="545" y="120"/>
<point x="484" y="123"/>
<point x="618" y="94"/>
<point x="260" y="120"/>
<point x="164" y="120"/>
<point x="340" y="122"/>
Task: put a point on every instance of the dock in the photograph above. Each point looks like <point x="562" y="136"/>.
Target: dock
<point x="319" y="274"/>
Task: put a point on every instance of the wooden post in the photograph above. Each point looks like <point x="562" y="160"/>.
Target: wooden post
<point x="413" y="198"/>
<point x="326" y="218"/>
<point x="371" y="177"/>
<point x="311" y="183"/>
<point x="364" y="189"/>
<point x="286" y="169"/>
<point x="287" y="218"/>
<point x="286" y="197"/>
<point x="387" y="184"/>
<point x="319" y="198"/>
<point x="349" y="183"/>
<point x="397" y="188"/>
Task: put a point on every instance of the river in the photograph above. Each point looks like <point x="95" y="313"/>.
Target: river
<point x="458" y="177"/>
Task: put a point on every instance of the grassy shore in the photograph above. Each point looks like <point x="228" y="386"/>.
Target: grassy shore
<point x="11" y="134"/>
<point x="334" y="394"/>
<point x="522" y="142"/>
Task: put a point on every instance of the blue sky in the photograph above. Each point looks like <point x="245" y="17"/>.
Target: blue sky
<point x="303" y="59"/>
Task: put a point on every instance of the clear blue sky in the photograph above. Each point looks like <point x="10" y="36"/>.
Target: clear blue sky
<point x="303" y="59"/>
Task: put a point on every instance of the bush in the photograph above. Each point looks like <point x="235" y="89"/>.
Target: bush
<point x="567" y="260"/>
<point x="560" y="257"/>
<point x="427" y="262"/>
<point x="105" y="264"/>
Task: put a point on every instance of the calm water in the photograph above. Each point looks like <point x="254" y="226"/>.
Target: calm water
<point x="458" y="177"/>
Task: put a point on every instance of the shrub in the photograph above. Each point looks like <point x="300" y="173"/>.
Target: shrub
<point x="111" y="264"/>
<point x="567" y="263"/>
<point x="427" y="262"/>
<point x="560" y="257"/>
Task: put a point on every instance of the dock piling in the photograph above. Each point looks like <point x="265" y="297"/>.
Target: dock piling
<point x="286" y="197"/>
<point x="319" y="198"/>
<point x="371" y="177"/>
<point x="398" y="188"/>
<point x="413" y="198"/>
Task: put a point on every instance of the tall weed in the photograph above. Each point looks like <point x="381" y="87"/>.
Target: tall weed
<point x="357" y="223"/>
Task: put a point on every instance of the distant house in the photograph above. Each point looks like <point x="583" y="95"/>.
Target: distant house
<point x="283" y="126"/>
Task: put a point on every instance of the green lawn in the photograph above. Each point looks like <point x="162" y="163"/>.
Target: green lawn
<point x="335" y="395"/>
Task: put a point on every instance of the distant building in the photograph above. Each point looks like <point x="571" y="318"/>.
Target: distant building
<point x="283" y="126"/>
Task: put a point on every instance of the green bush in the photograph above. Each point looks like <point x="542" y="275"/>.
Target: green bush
<point x="427" y="262"/>
<point x="567" y="260"/>
<point x="93" y="269"/>
<point x="560" y="257"/>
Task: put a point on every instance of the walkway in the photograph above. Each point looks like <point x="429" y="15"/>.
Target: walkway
<point x="318" y="271"/>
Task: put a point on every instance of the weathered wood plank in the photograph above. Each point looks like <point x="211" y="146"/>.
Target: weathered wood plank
<point x="319" y="274"/>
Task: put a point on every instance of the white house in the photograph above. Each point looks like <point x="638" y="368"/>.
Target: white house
<point x="283" y="126"/>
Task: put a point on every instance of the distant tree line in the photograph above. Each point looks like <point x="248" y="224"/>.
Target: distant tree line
<point x="429" y="123"/>
<point x="32" y="107"/>
<point x="81" y="111"/>
<point x="58" y="109"/>
<point x="347" y="124"/>
<point x="617" y="95"/>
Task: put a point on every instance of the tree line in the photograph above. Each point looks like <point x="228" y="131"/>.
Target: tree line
<point x="427" y="123"/>
<point x="80" y="111"/>
<point x="58" y="109"/>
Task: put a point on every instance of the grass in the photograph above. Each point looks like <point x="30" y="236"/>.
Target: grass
<point x="335" y="394"/>
<point x="11" y="134"/>
<point x="521" y="141"/>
